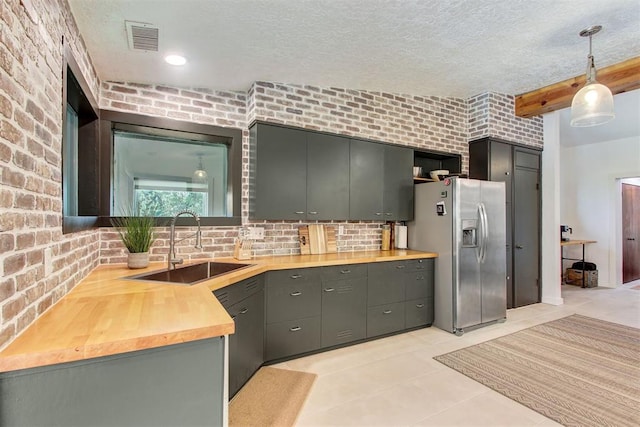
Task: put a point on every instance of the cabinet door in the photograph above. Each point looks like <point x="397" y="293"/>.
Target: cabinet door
<point x="327" y="177"/>
<point x="398" y="183"/>
<point x="526" y="239"/>
<point x="366" y="180"/>
<point x="281" y="173"/>
<point x="246" y="345"/>
<point x="344" y="311"/>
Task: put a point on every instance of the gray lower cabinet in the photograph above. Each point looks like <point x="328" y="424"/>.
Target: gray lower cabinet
<point x="313" y="308"/>
<point x="344" y="304"/>
<point x="244" y="302"/>
<point x="177" y="385"/>
<point x="400" y="296"/>
<point x="293" y="312"/>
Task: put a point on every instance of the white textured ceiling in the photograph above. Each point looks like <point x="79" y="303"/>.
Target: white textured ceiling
<point x="456" y="48"/>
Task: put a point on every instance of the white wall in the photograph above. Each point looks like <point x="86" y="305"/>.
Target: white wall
<point x="590" y="200"/>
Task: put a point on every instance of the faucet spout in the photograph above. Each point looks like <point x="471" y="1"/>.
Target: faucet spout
<point x="171" y="259"/>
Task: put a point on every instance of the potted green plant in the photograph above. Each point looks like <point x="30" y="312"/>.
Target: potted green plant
<point x="136" y="232"/>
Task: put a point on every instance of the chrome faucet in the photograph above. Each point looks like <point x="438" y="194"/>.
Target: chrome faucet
<point x="171" y="259"/>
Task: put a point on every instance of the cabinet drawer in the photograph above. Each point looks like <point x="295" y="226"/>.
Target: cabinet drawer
<point x="385" y="289"/>
<point x="418" y="312"/>
<point x="344" y="272"/>
<point x="292" y="337"/>
<point x="235" y="293"/>
<point x="420" y="264"/>
<point x="299" y="275"/>
<point x="292" y="299"/>
<point x="419" y="284"/>
<point x="387" y="267"/>
<point x="385" y="319"/>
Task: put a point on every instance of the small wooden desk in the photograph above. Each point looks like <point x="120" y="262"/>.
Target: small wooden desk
<point x="573" y="243"/>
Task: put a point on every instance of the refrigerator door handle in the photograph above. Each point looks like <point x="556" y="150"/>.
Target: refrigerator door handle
<point x="480" y="242"/>
<point x="484" y="224"/>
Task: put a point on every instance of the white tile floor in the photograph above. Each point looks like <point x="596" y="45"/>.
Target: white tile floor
<point x="395" y="382"/>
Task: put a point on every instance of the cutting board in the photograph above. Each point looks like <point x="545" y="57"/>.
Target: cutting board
<point x="317" y="240"/>
<point x="303" y="236"/>
<point x="330" y="239"/>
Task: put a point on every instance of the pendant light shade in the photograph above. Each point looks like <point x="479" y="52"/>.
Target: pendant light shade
<point x="200" y="175"/>
<point x="593" y="104"/>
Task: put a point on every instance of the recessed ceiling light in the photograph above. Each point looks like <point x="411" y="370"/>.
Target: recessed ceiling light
<point x="175" y="59"/>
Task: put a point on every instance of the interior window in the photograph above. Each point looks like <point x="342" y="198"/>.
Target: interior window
<point x="160" y="176"/>
<point x="159" y="167"/>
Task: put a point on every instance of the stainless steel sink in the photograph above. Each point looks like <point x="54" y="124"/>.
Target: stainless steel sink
<point x="190" y="274"/>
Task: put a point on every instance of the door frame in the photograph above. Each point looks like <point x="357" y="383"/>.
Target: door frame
<point x="616" y="255"/>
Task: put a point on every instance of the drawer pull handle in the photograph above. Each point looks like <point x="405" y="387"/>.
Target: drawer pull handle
<point x="295" y="329"/>
<point x="243" y="311"/>
<point x="420" y="277"/>
<point x="400" y="266"/>
<point x="296" y="276"/>
<point x="313" y="213"/>
<point x="233" y="318"/>
<point x="386" y="312"/>
<point x="345" y="271"/>
<point x="388" y="214"/>
<point x="419" y="305"/>
<point x="299" y="212"/>
<point x="378" y="213"/>
<point x="295" y="294"/>
<point x="329" y="289"/>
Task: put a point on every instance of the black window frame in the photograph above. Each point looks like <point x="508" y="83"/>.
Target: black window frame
<point x="165" y="127"/>
<point x="76" y="92"/>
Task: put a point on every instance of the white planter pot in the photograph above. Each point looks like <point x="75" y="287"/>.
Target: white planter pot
<point x="138" y="260"/>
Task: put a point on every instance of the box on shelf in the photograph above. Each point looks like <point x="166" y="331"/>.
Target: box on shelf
<point x="574" y="277"/>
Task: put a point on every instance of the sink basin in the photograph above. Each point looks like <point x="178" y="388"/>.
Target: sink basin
<point x="191" y="274"/>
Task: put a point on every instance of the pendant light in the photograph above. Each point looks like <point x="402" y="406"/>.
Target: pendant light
<point x="593" y="104"/>
<point x="200" y="175"/>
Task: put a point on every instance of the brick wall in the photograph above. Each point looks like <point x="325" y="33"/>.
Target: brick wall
<point x="31" y="61"/>
<point x="417" y="121"/>
<point x="491" y="114"/>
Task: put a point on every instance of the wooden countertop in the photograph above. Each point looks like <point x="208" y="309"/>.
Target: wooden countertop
<point x="576" y="242"/>
<point x="107" y="314"/>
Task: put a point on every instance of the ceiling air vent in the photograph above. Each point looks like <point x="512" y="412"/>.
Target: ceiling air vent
<point x="142" y="36"/>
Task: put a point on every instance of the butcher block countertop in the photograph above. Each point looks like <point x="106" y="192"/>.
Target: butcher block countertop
<point x="107" y="314"/>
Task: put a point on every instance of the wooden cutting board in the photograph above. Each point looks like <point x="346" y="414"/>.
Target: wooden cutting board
<point x="303" y="236"/>
<point x="330" y="238"/>
<point x="317" y="240"/>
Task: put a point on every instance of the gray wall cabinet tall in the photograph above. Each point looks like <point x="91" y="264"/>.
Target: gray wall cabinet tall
<point x="519" y="168"/>
<point x="299" y="174"/>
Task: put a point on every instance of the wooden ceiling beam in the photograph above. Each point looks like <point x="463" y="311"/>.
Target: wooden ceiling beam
<point x="621" y="77"/>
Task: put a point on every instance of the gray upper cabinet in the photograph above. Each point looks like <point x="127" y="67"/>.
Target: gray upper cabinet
<point x="367" y="179"/>
<point x="379" y="166"/>
<point x="297" y="174"/>
<point x="327" y="177"/>
<point x="280" y="175"/>
<point x="398" y="183"/>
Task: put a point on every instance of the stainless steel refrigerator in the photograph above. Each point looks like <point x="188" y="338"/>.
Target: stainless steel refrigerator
<point x="463" y="220"/>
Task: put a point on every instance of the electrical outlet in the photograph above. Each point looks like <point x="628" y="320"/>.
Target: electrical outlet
<point x="255" y="233"/>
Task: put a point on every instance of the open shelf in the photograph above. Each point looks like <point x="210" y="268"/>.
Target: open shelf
<point x="433" y="160"/>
